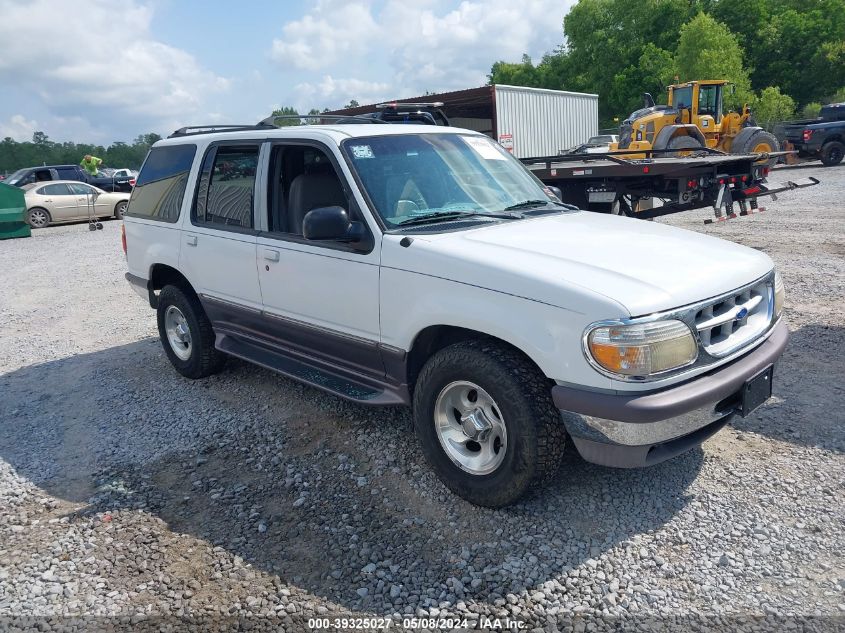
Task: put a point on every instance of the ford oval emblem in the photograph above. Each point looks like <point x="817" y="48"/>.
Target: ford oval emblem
<point x="739" y="316"/>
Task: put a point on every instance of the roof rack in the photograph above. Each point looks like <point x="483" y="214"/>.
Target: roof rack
<point x="334" y="118"/>
<point x="191" y="130"/>
<point x="399" y="105"/>
<point x="270" y="123"/>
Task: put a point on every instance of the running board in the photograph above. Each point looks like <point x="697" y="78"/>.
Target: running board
<point x="332" y="382"/>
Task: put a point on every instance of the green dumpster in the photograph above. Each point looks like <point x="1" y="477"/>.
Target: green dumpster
<point x="12" y="213"/>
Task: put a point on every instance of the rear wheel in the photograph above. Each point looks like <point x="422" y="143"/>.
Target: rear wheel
<point x="759" y="143"/>
<point x="486" y="422"/>
<point x="38" y="218"/>
<point x="832" y="153"/>
<point x="186" y="334"/>
<point x="120" y="209"/>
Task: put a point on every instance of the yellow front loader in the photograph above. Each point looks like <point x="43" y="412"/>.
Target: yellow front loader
<point x="692" y="119"/>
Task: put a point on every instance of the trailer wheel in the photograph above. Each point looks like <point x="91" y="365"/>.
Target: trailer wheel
<point x="832" y="153"/>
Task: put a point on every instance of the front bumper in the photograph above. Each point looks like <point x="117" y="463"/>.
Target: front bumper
<point x="632" y="430"/>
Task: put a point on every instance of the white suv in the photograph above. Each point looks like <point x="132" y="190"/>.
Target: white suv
<point x="425" y="266"/>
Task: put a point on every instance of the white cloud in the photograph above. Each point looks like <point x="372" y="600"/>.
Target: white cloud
<point x="422" y="45"/>
<point x="100" y="61"/>
<point x="333" y="31"/>
<point x="18" y="127"/>
<point x="331" y="90"/>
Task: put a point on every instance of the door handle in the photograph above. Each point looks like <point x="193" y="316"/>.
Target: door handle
<point x="191" y="240"/>
<point x="270" y="255"/>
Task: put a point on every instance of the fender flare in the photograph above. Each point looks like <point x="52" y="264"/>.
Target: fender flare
<point x="671" y="131"/>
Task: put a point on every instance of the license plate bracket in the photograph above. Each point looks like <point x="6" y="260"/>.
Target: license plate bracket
<point x="756" y="391"/>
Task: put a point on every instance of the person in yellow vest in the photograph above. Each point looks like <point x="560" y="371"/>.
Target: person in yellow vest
<point x="90" y="164"/>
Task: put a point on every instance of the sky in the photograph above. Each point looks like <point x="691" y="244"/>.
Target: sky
<point x="98" y="71"/>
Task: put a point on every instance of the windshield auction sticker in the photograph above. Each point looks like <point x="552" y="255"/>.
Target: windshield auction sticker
<point x="362" y="151"/>
<point x="484" y="147"/>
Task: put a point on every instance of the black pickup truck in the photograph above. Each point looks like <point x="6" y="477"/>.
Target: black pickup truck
<point x="822" y="138"/>
<point x="70" y="172"/>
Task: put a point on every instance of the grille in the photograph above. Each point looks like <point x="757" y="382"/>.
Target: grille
<point x="732" y="321"/>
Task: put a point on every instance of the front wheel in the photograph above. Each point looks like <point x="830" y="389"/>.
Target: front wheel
<point x="684" y="145"/>
<point x="832" y="153"/>
<point x="38" y="218"/>
<point x="186" y="334"/>
<point x="486" y="422"/>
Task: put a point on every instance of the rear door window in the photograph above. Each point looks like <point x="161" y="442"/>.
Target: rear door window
<point x="226" y="187"/>
<point x="160" y="188"/>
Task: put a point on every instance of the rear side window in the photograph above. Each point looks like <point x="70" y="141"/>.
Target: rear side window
<point x="54" y="190"/>
<point x="226" y="187"/>
<point x="161" y="184"/>
<point x="67" y="173"/>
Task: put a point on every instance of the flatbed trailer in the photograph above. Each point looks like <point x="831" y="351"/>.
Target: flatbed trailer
<point x="612" y="183"/>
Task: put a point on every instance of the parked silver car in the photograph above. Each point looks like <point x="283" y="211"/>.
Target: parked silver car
<point x="68" y="200"/>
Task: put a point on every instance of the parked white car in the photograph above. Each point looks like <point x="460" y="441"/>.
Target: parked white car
<point x="600" y="144"/>
<point x="425" y="266"/>
<point x="57" y="201"/>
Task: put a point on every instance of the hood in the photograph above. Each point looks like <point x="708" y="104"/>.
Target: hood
<point x="643" y="267"/>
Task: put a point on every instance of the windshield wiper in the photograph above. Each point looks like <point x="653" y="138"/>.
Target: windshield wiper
<point x="428" y="218"/>
<point x="527" y="204"/>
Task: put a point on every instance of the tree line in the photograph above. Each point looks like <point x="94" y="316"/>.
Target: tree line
<point x="42" y="151"/>
<point x="784" y="57"/>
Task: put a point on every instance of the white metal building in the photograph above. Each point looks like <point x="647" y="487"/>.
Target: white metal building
<point x="526" y="121"/>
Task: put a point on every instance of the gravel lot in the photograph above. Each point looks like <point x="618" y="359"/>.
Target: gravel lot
<point x="126" y="490"/>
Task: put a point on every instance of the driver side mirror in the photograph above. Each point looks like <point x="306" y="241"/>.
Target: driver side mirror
<point x="556" y="190"/>
<point x="332" y="224"/>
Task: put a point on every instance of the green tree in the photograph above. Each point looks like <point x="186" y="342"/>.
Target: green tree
<point x="522" y="74"/>
<point x="352" y="104"/>
<point x="286" y="111"/>
<point x="654" y="70"/>
<point x="772" y="107"/>
<point x="811" y="110"/>
<point x="708" y="50"/>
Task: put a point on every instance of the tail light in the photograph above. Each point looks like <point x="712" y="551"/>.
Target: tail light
<point x="807" y="135"/>
<point x="131" y="182"/>
<point x="123" y="238"/>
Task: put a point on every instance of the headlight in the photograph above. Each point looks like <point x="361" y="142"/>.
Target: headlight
<point x="642" y="349"/>
<point x="780" y="294"/>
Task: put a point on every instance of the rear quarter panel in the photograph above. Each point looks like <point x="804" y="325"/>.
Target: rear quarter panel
<point x="150" y="242"/>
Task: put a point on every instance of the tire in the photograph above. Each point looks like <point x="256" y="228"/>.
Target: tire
<point x="832" y="153"/>
<point x="682" y="142"/>
<point x="38" y="218"/>
<point x="195" y="357"/>
<point x="527" y="426"/>
<point x="120" y="209"/>
<point x="759" y="141"/>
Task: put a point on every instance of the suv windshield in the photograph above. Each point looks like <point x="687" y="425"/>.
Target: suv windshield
<point x="414" y="177"/>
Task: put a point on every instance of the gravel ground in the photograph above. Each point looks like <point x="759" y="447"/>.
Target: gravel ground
<point x="126" y="490"/>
